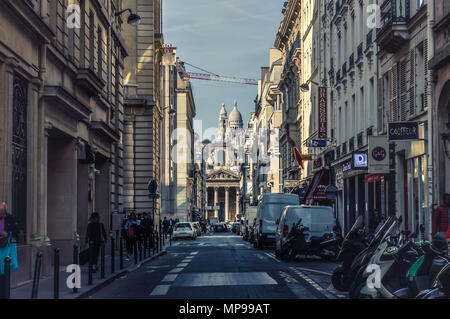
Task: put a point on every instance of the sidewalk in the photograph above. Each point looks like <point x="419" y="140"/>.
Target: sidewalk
<point x="46" y="284"/>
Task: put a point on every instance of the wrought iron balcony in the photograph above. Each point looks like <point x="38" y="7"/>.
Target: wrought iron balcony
<point x="360" y="52"/>
<point x="338" y="77"/>
<point x="393" y="32"/>
<point x="351" y="61"/>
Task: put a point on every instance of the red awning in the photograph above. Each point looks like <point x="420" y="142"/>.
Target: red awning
<point x="372" y="178"/>
<point x="316" y="190"/>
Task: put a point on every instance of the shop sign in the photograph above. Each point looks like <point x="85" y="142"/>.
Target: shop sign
<point x="318" y="163"/>
<point x="322" y="112"/>
<point x="347" y="166"/>
<point x="316" y="143"/>
<point x="359" y="161"/>
<point x="291" y="183"/>
<point x="403" y="131"/>
<point x="378" y="155"/>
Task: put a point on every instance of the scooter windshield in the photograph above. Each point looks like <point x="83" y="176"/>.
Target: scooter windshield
<point x="356" y="226"/>
<point x="384" y="231"/>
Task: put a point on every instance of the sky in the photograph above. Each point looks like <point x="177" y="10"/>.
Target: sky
<point x="225" y="37"/>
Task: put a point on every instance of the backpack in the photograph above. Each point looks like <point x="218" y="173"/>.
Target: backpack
<point x="130" y="231"/>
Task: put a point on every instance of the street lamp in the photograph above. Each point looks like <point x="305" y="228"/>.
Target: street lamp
<point x="446" y="140"/>
<point x="305" y="86"/>
<point x="133" y="18"/>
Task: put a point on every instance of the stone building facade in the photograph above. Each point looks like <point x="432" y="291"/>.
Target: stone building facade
<point x="61" y="108"/>
<point x="142" y="119"/>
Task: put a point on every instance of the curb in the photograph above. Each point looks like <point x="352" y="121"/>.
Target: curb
<point x="108" y="281"/>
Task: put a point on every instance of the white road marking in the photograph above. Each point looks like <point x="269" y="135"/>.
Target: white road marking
<point x="170" y="278"/>
<point x="312" y="270"/>
<point x="273" y="257"/>
<point x="194" y="253"/>
<point x="175" y="270"/>
<point x="160" y="290"/>
<point x="182" y="265"/>
<point x="223" y="279"/>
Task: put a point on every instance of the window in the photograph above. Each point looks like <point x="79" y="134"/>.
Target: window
<point x="100" y="53"/>
<point x="91" y="40"/>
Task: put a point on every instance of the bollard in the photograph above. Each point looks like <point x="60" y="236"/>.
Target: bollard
<point x="37" y="275"/>
<point x="161" y="238"/>
<point x="7" y="279"/>
<point x="90" y="271"/>
<point x="56" y="274"/>
<point x="102" y="261"/>
<point x="113" y="255"/>
<point x="121" y="253"/>
<point x="153" y="242"/>
<point x="135" y="252"/>
<point x="140" y="249"/>
<point x="75" y="261"/>
<point x="157" y="241"/>
<point x="145" y="246"/>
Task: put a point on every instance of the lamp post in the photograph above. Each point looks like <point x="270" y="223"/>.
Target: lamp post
<point x="133" y="18"/>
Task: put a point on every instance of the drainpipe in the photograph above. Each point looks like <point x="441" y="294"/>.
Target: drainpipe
<point x="431" y="122"/>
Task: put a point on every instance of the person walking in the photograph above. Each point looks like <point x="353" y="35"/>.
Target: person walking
<point x="441" y="220"/>
<point x="95" y="235"/>
<point x="166" y="225"/>
<point x="8" y="227"/>
<point x="130" y="228"/>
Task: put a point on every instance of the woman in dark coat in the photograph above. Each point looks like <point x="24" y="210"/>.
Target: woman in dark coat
<point x="96" y="235"/>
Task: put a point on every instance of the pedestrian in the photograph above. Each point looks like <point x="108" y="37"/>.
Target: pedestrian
<point x="166" y="225"/>
<point x="441" y="220"/>
<point x="130" y="234"/>
<point x="8" y="230"/>
<point x="95" y="235"/>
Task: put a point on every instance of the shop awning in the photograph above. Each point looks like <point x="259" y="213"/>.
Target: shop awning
<point x="317" y="187"/>
<point x="372" y="178"/>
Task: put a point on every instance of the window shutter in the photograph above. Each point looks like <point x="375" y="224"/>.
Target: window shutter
<point x="412" y="76"/>
<point x="425" y="72"/>
<point x="380" y="104"/>
<point x="403" y="92"/>
<point x="394" y="95"/>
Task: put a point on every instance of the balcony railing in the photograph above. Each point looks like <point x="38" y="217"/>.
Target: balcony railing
<point x="393" y="12"/>
<point x="360" y="52"/>
<point x="369" y="39"/>
<point x="359" y="139"/>
<point x="344" y="69"/>
<point x="351" y="61"/>
<point x="338" y="77"/>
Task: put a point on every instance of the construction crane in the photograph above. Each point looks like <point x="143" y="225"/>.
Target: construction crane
<point x="209" y="76"/>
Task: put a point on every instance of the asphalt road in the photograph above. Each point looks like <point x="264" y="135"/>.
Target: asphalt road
<point x="223" y="266"/>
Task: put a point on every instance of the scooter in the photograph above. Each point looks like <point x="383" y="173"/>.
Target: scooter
<point x="393" y="257"/>
<point x="299" y="241"/>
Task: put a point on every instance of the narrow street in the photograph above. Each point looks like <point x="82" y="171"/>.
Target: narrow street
<point x="223" y="266"/>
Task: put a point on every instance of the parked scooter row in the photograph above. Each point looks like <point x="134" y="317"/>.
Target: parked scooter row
<point x="392" y="265"/>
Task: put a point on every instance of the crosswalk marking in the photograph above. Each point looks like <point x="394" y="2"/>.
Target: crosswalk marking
<point x="160" y="290"/>
<point x="175" y="270"/>
<point x="182" y="265"/>
<point x="170" y="278"/>
<point x="223" y="279"/>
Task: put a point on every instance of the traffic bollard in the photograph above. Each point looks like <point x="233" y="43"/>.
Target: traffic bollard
<point x="153" y="242"/>
<point x="121" y="253"/>
<point x="37" y="275"/>
<point x="7" y="279"/>
<point x="161" y="238"/>
<point x="56" y="274"/>
<point x="90" y="270"/>
<point x="140" y="249"/>
<point x="135" y="252"/>
<point x="113" y="256"/>
<point x="144" y="248"/>
<point x="102" y="261"/>
<point x="76" y="255"/>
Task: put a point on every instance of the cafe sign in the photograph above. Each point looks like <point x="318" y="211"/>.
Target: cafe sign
<point x="399" y="131"/>
<point x="378" y="155"/>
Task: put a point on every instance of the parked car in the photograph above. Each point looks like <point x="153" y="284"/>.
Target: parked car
<point x="184" y="230"/>
<point x="197" y="227"/>
<point x="249" y="218"/>
<point x="220" y="228"/>
<point x="320" y="221"/>
<point x="269" y="211"/>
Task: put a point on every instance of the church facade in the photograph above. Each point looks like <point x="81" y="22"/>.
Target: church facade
<point x="223" y="167"/>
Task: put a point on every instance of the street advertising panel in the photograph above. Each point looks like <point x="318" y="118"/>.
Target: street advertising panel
<point x="322" y="112"/>
<point x="378" y="155"/>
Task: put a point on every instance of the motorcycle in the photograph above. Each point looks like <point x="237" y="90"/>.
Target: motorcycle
<point x="299" y="241"/>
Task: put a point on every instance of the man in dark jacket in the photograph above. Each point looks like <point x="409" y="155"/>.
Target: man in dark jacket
<point x="441" y="219"/>
<point x="95" y="235"/>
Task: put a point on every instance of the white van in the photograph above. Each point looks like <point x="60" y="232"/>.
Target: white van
<point x="269" y="211"/>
